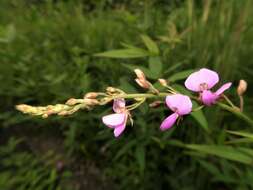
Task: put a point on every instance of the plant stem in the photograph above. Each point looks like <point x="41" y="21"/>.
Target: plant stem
<point x="236" y="112"/>
<point x="141" y="95"/>
<point x="233" y="110"/>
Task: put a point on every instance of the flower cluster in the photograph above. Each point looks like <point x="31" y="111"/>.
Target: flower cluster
<point x="201" y="82"/>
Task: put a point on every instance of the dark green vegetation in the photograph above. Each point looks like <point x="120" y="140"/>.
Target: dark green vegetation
<point x="46" y="57"/>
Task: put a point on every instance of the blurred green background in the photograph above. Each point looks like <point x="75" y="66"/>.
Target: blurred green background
<point x="47" y="56"/>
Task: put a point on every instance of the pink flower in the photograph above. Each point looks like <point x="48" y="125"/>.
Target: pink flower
<point x="118" y="120"/>
<point x="180" y="105"/>
<point x="202" y="81"/>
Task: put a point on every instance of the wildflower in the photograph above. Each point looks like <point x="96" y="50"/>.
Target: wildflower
<point x="202" y="81"/>
<point x="180" y="105"/>
<point x="118" y="120"/>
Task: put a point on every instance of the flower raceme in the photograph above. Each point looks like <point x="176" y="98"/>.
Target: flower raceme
<point x="202" y="81"/>
<point x="118" y="120"/>
<point x="180" y="105"/>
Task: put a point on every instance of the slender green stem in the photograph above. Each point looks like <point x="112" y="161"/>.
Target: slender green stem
<point x="236" y="112"/>
<point x="141" y="95"/>
<point x="233" y="110"/>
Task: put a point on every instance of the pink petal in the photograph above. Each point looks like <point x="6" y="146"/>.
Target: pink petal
<point x="114" y="120"/>
<point x="118" y="130"/>
<point x="208" y="98"/>
<point x="169" y="122"/>
<point x="119" y="105"/>
<point x="179" y="103"/>
<point x="203" y="76"/>
<point x="223" y="88"/>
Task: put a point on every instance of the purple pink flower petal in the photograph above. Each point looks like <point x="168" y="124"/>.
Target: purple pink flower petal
<point x="118" y="120"/>
<point x="180" y="105"/>
<point x="202" y="81"/>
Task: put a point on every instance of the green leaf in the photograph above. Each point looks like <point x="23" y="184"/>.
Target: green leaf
<point x="200" y="117"/>
<point x="227" y="152"/>
<point x="150" y="44"/>
<point x="140" y="156"/>
<point x="124" y="53"/>
<point x="180" y="75"/>
<point x="155" y="66"/>
<point x="124" y="149"/>
<point x="242" y="134"/>
<point x="209" y="167"/>
<point x="8" y="33"/>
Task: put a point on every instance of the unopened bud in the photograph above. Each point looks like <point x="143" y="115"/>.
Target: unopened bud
<point x="44" y="116"/>
<point x="163" y="82"/>
<point x="155" y="104"/>
<point x="140" y="75"/>
<point x="22" y="107"/>
<point x="63" y="113"/>
<point x="91" y="95"/>
<point x="142" y="83"/>
<point x="242" y="87"/>
<point x="91" y="102"/>
<point x="111" y="89"/>
<point x="71" y="102"/>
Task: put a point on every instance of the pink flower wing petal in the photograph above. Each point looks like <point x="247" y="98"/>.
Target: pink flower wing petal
<point x="118" y="105"/>
<point x="208" y="98"/>
<point x="179" y="103"/>
<point x="114" y="120"/>
<point x="119" y="129"/>
<point x="202" y="76"/>
<point x="223" y="88"/>
<point x="169" y="122"/>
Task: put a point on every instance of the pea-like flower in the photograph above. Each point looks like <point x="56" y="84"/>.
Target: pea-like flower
<point x="118" y="120"/>
<point x="202" y="81"/>
<point x="180" y="105"/>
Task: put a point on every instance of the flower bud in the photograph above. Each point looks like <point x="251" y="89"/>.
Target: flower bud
<point x="111" y="89"/>
<point x="91" y="95"/>
<point x="91" y="102"/>
<point x="155" y="104"/>
<point x="163" y="82"/>
<point x="242" y="87"/>
<point x="71" y="102"/>
<point x="142" y="83"/>
<point x="63" y="113"/>
<point x="140" y="75"/>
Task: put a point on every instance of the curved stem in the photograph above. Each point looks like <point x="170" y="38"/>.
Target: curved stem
<point x="127" y="96"/>
<point x="236" y="112"/>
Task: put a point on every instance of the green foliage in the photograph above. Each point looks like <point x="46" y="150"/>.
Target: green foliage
<point x="23" y="170"/>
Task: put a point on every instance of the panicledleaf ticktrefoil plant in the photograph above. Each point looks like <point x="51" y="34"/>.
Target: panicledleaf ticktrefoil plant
<point x="201" y="81"/>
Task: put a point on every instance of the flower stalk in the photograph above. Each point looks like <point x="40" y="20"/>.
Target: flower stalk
<point x="201" y="82"/>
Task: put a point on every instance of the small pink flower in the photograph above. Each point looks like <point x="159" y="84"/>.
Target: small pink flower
<point x="180" y="105"/>
<point x="118" y="120"/>
<point x="202" y="81"/>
